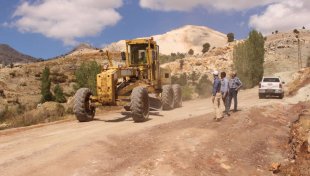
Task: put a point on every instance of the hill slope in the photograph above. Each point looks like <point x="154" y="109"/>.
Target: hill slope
<point x="182" y="40"/>
<point x="9" y="55"/>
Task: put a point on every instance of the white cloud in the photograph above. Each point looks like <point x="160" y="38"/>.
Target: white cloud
<point x="282" y="16"/>
<point x="66" y="20"/>
<point x="188" y="5"/>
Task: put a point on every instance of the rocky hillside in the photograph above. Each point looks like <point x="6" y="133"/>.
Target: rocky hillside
<point x="182" y="40"/>
<point x="9" y="55"/>
<point x="217" y="59"/>
<point x="282" y="51"/>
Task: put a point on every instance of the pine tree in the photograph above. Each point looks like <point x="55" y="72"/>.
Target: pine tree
<point x="249" y="59"/>
<point x="46" y="86"/>
<point x="59" y="95"/>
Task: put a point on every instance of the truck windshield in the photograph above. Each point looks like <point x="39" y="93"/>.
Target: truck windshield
<point x="138" y="54"/>
<point x="271" y="80"/>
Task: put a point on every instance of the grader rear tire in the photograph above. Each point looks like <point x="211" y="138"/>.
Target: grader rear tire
<point x="177" y="94"/>
<point x="167" y="97"/>
<point x="140" y="105"/>
<point x="82" y="108"/>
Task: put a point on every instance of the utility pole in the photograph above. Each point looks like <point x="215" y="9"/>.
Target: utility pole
<point x="299" y="60"/>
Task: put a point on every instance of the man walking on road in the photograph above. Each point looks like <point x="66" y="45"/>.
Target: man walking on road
<point x="234" y="85"/>
<point x="217" y="96"/>
<point x="225" y="92"/>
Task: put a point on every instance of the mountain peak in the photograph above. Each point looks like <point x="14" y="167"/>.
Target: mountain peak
<point x="10" y="55"/>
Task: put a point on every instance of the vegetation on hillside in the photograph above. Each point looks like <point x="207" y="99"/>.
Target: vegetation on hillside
<point x="205" y="47"/>
<point x="170" y="58"/>
<point x="59" y="95"/>
<point x="86" y="76"/>
<point x="46" y="86"/>
<point x="193" y="83"/>
<point x="249" y="59"/>
<point x="230" y="37"/>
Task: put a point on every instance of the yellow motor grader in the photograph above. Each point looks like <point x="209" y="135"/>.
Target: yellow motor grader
<point x="140" y="85"/>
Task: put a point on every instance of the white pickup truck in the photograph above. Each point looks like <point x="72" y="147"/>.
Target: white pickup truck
<point x="271" y="86"/>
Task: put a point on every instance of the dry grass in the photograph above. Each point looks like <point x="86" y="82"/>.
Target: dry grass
<point x="46" y="113"/>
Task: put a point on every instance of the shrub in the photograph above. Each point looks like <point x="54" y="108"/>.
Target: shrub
<point x="296" y="31"/>
<point x="206" y="47"/>
<point x="181" y="80"/>
<point x="86" y="75"/>
<point x="191" y="52"/>
<point x="12" y="74"/>
<point x="249" y="59"/>
<point x="181" y="61"/>
<point x="204" y="86"/>
<point x="46" y="86"/>
<point x="194" y="76"/>
<point x="230" y="37"/>
<point x="187" y="92"/>
<point x="170" y="58"/>
<point x="59" y="95"/>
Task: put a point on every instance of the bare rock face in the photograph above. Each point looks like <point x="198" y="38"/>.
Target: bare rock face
<point x="220" y="59"/>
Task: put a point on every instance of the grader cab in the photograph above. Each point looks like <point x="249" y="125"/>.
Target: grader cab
<point x="140" y="85"/>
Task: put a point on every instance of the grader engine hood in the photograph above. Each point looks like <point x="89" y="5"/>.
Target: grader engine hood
<point x="106" y="86"/>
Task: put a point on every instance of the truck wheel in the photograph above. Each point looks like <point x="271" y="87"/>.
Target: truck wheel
<point x="261" y="96"/>
<point x="140" y="105"/>
<point x="281" y="96"/>
<point x="82" y="108"/>
<point x="177" y="94"/>
<point x="167" y="97"/>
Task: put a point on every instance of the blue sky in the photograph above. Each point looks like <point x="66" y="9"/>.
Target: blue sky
<point x="123" y="20"/>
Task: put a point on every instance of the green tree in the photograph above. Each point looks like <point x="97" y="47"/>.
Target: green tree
<point x="59" y="95"/>
<point x="205" y="47"/>
<point x="191" y="52"/>
<point x="183" y="79"/>
<point x="86" y="75"/>
<point x="204" y="86"/>
<point x="249" y="59"/>
<point x="194" y="76"/>
<point x="230" y="37"/>
<point x="46" y="86"/>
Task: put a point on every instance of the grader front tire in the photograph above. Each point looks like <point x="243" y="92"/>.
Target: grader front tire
<point x="140" y="105"/>
<point x="167" y="97"/>
<point x="82" y="108"/>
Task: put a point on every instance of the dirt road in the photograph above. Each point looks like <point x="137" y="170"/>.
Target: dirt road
<point x="184" y="141"/>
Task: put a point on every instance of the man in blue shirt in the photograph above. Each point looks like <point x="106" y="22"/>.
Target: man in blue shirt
<point x="234" y="85"/>
<point x="225" y="92"/>
<point x="217" y="96"/>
